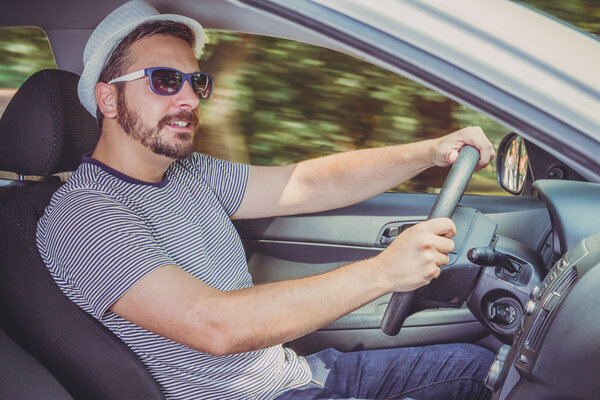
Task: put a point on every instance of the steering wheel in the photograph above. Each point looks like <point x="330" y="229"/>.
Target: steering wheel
<point x="445" y="204"/>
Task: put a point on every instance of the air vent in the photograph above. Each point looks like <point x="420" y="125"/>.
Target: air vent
<point x="561" y="287"/>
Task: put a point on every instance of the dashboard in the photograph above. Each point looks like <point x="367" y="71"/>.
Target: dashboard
<point x="555" y="352"/>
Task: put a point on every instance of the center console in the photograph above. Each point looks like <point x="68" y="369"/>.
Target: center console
<point x="520" y="361"/>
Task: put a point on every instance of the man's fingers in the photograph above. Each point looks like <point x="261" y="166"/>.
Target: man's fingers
<point x="449" y="146"/>
<point x="476" y="138"/>
<point x="452" y="156"/>
<point x="486" y="155"/>
<point x="435" y="272"/>
<point x="439" y="226"/>
<point x="443" y="245"/>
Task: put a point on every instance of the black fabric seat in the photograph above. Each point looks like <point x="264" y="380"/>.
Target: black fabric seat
<point x="44" y="130"/>
<point x="23" y="377"/>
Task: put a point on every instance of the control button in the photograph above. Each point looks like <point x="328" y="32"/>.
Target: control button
<point x="563" y="263"/>
<point x="502" y="313"/>
<point x="518" y="334"/>
<point x="524" y="359"/>
<point x="502" y="353"/>
<point x="534" y="292"/>
<point x="551" y="301"/>
<point x="530" y="307"/>
<point x="493" y="376"/>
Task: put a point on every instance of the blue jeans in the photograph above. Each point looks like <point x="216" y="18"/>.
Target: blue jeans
<point x="445" y="372"/>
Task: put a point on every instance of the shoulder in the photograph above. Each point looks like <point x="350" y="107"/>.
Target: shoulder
<point x="80" y="190"/>
<point x="83" y="198"/>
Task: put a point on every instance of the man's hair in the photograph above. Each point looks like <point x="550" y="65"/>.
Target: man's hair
<point x="118" y="61"/>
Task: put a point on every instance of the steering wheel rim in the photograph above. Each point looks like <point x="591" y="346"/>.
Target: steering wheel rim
<point x="451" y="192"/>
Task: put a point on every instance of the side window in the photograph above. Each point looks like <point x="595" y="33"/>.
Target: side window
<point x="23" y="51"/>
<point x="278" y="101"/>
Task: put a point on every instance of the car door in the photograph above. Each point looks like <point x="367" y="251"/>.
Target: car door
<point x="287" y="101"/>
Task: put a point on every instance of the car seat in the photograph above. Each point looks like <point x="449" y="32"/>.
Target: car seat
<point x="43" y="131"/>
<point x="23" y="377"/>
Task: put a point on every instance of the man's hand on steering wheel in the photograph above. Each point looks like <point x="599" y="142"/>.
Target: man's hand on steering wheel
<point x="447" y="147"/>
<point x="476" y="152"/>
<point x="414" y="258"/>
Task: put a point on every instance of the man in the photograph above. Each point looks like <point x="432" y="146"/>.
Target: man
<point x="141" y="238"/>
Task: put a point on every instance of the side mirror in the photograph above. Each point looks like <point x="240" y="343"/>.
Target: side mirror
<point x="512" y="163"/>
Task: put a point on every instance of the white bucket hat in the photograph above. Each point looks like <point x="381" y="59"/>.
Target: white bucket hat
<point x="109" y="33"/>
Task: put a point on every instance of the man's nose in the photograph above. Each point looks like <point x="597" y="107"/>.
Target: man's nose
<point x="186" y="97"/>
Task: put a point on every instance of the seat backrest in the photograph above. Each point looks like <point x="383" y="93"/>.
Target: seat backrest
<point x="44" y="130"/>
<point x="23" y="377"/>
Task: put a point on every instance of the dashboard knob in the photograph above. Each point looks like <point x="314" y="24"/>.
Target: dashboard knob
<point x="563" y="263"/>
<point x="503" y="353"/>
<point x="534" y="292"/>
<point x="530" y="307"/>
<point x="502" y="313"/>
<point x="492" y="380"/>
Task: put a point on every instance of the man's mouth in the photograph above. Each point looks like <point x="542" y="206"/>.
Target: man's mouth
<point x="179" y="124"/>
<point x="181" y="120"/>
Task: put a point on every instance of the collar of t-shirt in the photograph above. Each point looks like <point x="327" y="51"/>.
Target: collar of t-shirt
<point x="119" y="175"/>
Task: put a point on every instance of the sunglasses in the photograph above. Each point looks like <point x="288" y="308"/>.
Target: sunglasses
<point x="168" y="81"/>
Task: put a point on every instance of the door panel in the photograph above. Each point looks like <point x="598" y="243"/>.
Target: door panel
<point x="524" y="219"/>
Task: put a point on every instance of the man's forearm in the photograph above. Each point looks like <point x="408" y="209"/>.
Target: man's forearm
<point x="275" y="313"/>
<point x="347" y="178"/>
<point x="174" y="304"/>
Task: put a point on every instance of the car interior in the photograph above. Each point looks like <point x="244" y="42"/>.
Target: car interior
<point x="505" y="288"/>
<point x="91" y="363"/>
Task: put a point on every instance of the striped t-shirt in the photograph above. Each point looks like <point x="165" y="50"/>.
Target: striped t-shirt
<point x="103" y="231"/>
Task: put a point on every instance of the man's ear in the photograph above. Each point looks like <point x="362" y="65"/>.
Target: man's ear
<point x="106" y="97"/>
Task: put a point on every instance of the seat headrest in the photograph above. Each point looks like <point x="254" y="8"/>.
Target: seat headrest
<point x="44" y="129"/>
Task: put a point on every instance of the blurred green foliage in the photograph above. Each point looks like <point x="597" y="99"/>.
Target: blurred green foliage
<point x="23" y="51"/>
<point x="295" y="101"/>
<point x="278" y="101"/>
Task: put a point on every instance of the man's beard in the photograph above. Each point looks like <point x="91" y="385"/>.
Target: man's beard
<point x="132" y="124"/>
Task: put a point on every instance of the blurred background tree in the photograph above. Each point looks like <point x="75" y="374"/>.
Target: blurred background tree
<point x="23" y="51"/>
<point x="277" y="101"/>
<point x="291" y="101"/>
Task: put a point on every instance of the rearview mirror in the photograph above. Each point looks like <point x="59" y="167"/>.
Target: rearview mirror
<point x="512" y="163"/>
